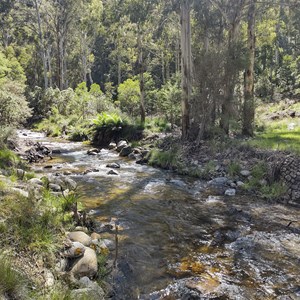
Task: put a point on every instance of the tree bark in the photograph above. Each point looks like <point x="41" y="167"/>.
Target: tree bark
<point x="249" y="108"/>
<point x="42" y="51"/>
<point x="186" y="66"/>
<point x="141" y="77"/>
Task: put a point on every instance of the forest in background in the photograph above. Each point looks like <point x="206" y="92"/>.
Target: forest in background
<point x="194" y="64"/>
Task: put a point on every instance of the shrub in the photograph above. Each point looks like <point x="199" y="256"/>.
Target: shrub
<point x="8" y="159"/>
<point x="129" y="96"/>
<point x="274" y="191"/>
<point x="106" y="119"/>
<point x="6" y="132"/>
<point x="234" y="168"/>
<point x="164" y="159"/>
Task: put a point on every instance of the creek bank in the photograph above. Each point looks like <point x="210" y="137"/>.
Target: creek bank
<point x="78" y="257"/>
<point x="171" y="235"/>
<point x="229" y="168"/>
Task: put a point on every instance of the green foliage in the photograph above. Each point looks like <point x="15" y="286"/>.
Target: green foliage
<point x="14" y="108"/>
<point x="29" y="175"/>
<point x="274" y="191"/>
<point x="164" y="159"/>
<point x="106" y="119"/>
<point x="257" y="182"/>
<point x="68" y="202"/>
<point x="170" y="99"/>
<point x="6" y="132"/>
<point x="8" y="159"/>
<point x="12" y="283"/>
<point x="79" y="133"/>
<point x="129" y="96"/>
<point x="207" y="171"/>
<point x="157" y="124"/>
<point x="234" y="168"/>
<point x="277" y="136"/>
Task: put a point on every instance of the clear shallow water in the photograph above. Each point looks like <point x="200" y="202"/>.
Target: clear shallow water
<point x="176" y="241"/>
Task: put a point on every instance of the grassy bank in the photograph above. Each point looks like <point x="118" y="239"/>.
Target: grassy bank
<point x="33" y="223"/>
<point x="278" y="127"/>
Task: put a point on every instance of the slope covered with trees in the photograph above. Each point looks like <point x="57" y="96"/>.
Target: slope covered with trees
<point x="218" y="57"/>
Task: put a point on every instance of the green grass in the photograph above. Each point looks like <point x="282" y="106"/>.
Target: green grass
<point x="12" y="283"/>
<point x="164" y="159"/>
<point x="8" y="159"/>
<point x="274" y="191"/>
<point x="234" y="168"/>
<point x="276" y="136"/>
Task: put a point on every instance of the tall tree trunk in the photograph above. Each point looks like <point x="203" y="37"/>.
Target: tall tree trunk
<point x="119" y="69"/>
<point x="141" y="77"/>
<point x="42" y="50"/>
<point x="49" y="65"/>
<point x="249" y="108"/>
<point x="186" y="66"/>
<point x="230" y="77"/>
<point x="163" y="67"/>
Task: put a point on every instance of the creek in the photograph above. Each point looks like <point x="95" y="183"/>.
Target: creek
<point x="176" y="241"/>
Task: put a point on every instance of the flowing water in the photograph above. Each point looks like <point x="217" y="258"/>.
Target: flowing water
<point x="178" y="242"/>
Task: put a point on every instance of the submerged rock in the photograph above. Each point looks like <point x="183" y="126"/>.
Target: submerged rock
<point x="113" y="165"/>
<point x="112" y="146"/>
<point x="93" y="151"/>
<point x="112" y="172"/>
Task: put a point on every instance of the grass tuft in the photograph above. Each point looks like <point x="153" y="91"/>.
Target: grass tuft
<point x="13" y="284"/>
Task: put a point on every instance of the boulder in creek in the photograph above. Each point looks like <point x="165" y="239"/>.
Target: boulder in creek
<point x="64" y="182"/>
<point x="113" y="166"/>
<point x="132" y="156"/>
<point x="67" y="173"/>
<point x="86" y="265"/>
<point x="91" y="170"/>
<point x="74" y="250"/>
<point x="112" y="146"/>
<point x="121" y="145"/>
<point x="125" y="151"/>
<point x="142" y="161"/>
<point x="93" y="151"/>
<point x="81" y="237"/>
<point x="112" y="172"/>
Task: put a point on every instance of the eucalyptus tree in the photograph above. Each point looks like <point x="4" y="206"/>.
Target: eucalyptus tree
<point x="186" y="64"/>
<point x="249" y="106"/>
<point x="88" y="26"/>
<point x="141" y="14"/>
